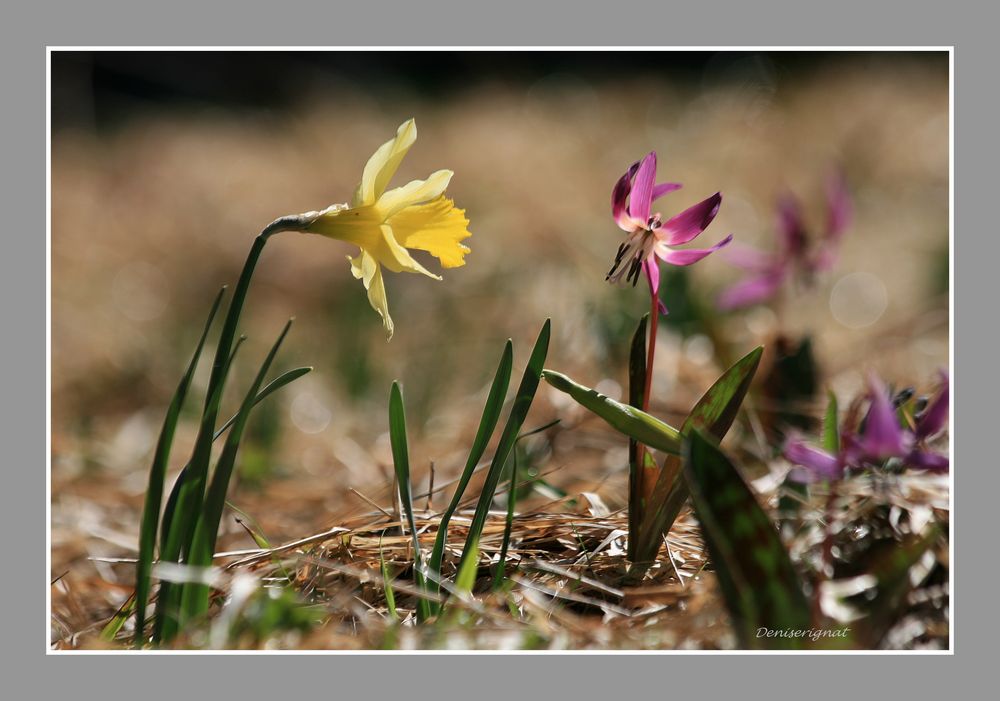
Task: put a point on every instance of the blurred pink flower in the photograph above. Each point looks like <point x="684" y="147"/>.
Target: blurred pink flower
<point x="648" y="237"/>
<point x="882" y="438"/>
<point x="769" y="271"/>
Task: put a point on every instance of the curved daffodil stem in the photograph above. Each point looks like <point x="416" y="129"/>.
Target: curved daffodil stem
<point x="184" y="509"/>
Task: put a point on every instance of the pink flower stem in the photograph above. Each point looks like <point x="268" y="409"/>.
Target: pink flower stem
<point x="654" y="314"/>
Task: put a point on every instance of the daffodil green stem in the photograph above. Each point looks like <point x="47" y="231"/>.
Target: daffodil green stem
<point x="191" y="494"/>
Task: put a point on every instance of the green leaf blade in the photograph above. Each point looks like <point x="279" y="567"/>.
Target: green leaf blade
<point x="759" y="583"/>
<point x="401" y="464"/>
<point x="632" y="422"/>
<point x="194" y="596"/>
<point x="715" y="413"/>
<point x="157" y="477"/>
<point x="487" y="425"/>
<point x="519" y="410"/>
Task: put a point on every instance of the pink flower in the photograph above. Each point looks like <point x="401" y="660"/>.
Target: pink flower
<point x="882" y="438"/>
<point x="649" y="237"/>
<point x="769" y="271"/>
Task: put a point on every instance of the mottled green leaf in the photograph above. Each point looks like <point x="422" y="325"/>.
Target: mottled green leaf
<point x="628" y="420"/>
<point x="714" y="413"/>
<point x="759" y="583"/>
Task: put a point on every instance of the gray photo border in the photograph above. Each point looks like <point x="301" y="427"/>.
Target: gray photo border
<point x="29" y="28"/>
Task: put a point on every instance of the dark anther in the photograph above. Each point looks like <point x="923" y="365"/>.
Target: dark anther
<point x="633" y="271"/>
<point x="618" y="260"/>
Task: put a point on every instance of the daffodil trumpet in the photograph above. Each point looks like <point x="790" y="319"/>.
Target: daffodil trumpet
<point x="386" y="224"/>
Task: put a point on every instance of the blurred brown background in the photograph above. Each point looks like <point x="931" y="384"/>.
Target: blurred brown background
<point x="164" y="167"/>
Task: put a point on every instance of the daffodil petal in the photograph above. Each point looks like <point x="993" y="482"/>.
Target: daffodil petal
<point x="393" y="256"/>
<point x="413" y="193"/>
<point x="367" y="269"/>
<point x="437" y="227"/>
<point x="384" y="163"/>
<point x="357" y="225"/>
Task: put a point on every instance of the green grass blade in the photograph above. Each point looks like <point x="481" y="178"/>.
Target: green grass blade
<point x="390" y="595"/>
<point x="468" y="567"/>
<point x="112" y="627"/>
<point x="173" y="533"/>
<point x="195" y="596"/>
<point x="157" y="477"/>
<point x="401" y="463"/>
<point x="755" y="573"/>
<point x="714" y="413"/>
<point x="628" y="420"/>
<point x="487" y="425"/>
<point x="518" y="412"/>
<point x="270" y="388"/>
<point x="512" y="488"/>
<point x="171" y="507"/>
<point x="831" y="429"/>
<point x="636" y="451"/>
<point x="498" y="576"/>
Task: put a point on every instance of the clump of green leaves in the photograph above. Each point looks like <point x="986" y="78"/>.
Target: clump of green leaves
<point x="189" y="525"/>
<point x="428" y="576"/>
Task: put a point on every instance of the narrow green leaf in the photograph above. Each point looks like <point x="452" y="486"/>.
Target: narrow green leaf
<point x="401" y="463"/>
<point x="195" y="596"/>
<point x="157" y="477"/>
<point x="630" y="421"/>
<point x="636" y="451"/>
<point x="465" y="579"/>
<point x="714" y="413"/>
<point x="522" y="403"/>
<point x="487" y="424"/>
<point x="831" y="429"/>
<point x="270" y="388"/>
<point x="498" y="576"/>
<point x="759" y="583"/>
<point x="390" y="595"/>
<point x="112" y="627"/>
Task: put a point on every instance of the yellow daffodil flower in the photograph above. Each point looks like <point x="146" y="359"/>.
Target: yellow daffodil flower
<point x="385" y="223"/>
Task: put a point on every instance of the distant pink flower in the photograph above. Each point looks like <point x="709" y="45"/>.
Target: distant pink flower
<point x="882" y="438"/>
<point x="769" y="271"/>
<point x="648" y="237"/>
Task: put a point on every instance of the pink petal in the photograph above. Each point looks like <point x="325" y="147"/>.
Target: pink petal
<point x="751" y="290"/>
<point x="883" y="437"/>
<point x="690" y="255"/>
<point x="933" y="419"/>
<point x="642" y="188"/>
<point x="839" y="209"/>
<point x="819" y="464"/>
<point x="692" y="221"/>
<point x="663" y="188"/>
<point x="652" y="269"/>
<point x="620" y="194"/>
<point x="925" y="460"/>
<point x="791" y="229"/>
<point x="748" y="258"/>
